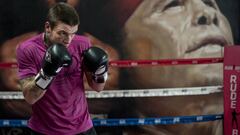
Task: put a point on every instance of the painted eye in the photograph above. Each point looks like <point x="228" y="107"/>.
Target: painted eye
<point x="172" y="4"/>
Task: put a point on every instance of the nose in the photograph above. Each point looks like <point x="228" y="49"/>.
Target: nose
<point x="68" y="38"/>
<point x="204" y="15"/>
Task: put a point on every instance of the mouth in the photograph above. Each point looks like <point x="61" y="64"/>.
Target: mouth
<point x="210" y="44"/>
<point x="65" y="43"/>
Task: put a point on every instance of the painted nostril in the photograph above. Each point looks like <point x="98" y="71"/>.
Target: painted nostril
<point x="202" y="20"/>
<point x="215" y="21"/>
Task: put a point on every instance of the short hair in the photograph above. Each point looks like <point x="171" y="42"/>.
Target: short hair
<point x="64" y="13"/>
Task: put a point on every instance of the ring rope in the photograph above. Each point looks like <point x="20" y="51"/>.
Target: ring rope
<point x="135" y="63"/>
<point x="134" y="92"/>
<point x="165" y="62"/>
<point x="165" y="120"/>
<point x="8" y="65"/>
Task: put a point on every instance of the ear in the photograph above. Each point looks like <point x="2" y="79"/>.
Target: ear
<point x="47" y="27"/>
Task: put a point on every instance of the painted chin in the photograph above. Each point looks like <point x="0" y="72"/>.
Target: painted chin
<point x="207" y="47"/>
<point x="210" y="50"/>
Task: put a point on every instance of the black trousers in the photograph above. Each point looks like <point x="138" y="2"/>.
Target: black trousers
<point x="91" y="131"/>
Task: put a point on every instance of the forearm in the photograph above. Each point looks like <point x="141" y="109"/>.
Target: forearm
<point x="31" y="92"/>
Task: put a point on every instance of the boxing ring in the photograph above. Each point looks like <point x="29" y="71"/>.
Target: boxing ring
<point x="128" y="93"/>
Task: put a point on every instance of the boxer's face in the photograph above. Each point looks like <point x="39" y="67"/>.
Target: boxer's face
<point x="171" y="29"/>
<point x="61" y="33"/>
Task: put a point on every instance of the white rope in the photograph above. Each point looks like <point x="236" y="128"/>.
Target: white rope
<point x="135" y="92"/>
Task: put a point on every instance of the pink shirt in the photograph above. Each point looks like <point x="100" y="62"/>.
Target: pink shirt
<point x="63" y="109"/>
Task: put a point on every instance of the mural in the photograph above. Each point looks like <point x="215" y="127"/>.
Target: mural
<point x="136" y="29"/>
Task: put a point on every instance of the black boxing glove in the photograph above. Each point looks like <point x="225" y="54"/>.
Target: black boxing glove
<point x="55" y="58"/>
<point x="96" y="61"/>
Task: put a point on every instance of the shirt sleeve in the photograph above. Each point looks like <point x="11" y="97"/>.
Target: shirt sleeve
<point x="25" y="61"/>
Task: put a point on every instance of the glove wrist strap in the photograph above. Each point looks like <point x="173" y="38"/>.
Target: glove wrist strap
<point x="100" y="78"/>
<point x="42" y="80"/>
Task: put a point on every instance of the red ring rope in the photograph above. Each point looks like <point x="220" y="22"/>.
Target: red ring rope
<point x="135" y="63"/>
<point x="164" y="62"/>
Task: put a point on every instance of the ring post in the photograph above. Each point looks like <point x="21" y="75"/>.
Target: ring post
<point x="231" y="90"/>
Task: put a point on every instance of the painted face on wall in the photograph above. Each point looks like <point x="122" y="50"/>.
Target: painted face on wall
<point x="172" y="29"/>
<point x="9" y="75"/>
<point x="9" y="79"/>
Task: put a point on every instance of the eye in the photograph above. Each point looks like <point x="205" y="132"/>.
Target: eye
<point x="62" y="33"/>
<point x="209" y="3"/>
<point x="172" y="4"/>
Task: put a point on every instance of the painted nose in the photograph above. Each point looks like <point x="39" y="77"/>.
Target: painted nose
<point x="206" y="20"/>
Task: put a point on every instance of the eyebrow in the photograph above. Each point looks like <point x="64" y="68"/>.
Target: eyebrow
<point x="61" y="30"/>
<point x="209" y="3"/>
<point x="161" y="4"/>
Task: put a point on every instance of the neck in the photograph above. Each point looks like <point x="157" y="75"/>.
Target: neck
<point x="46" y="39"/>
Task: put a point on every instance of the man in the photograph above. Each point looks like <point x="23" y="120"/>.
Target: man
<point x="9" y="80"/>
<point x="165" y="29"/>
<point x="51" y="69"/>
